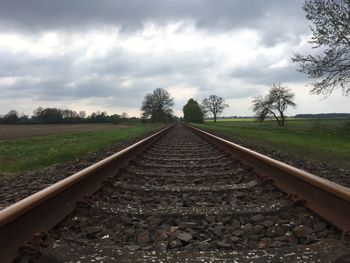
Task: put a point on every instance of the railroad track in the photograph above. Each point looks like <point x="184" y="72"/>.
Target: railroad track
<point x="181" y="195"/>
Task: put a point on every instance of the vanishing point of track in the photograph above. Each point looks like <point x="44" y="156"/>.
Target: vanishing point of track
<point x="181" y="195"/>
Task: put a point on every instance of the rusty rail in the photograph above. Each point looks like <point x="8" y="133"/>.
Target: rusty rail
<point x="330" y="200"/>
<point x="40" y="212"/>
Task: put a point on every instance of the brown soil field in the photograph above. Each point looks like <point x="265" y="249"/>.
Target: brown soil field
<point x="30" y="130"/>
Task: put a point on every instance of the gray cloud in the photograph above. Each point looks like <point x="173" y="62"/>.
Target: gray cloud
<point x="276" y="20"/>
<point x="268" y="76"/>
<point x="61" y="76"/>
<point x="121" y="77"/>
<point x="24" y="64"/>
<point x="118" y="62"/>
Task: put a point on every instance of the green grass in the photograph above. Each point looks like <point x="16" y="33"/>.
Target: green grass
<point x="28" y="154"/>
<point x="317" y="140"/>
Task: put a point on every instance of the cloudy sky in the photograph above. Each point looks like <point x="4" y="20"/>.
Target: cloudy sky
<point x="106" y="55"/>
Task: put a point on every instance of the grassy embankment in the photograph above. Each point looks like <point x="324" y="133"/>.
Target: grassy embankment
<point x="28" y="154"/>
<point x="317" y="140"/>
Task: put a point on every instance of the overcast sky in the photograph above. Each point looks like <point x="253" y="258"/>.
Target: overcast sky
<point x="106" y="55"/>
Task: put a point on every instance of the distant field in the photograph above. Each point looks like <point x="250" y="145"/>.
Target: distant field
<point x="318" y="140"/>
<point x="30" y="130"/>
<point x="232" y="119"/>
<point x="253" y="119"/>
<point x="67" y="143"/>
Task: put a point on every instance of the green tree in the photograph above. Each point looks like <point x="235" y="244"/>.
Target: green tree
<point x="157" y="106"/>
<point x="214" y="104"/>
<point x="274" y="104"/>
<point x="193" y="111"/>
<point x="331" y="38"/>
<point x="11" y="117"/>
<point x="99" y="117"/>
<point x="48" y="115"/>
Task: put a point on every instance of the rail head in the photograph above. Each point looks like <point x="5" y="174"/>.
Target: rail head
<point x="326" y="198"/>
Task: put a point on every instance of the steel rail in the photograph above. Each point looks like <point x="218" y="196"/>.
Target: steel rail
<point x="328" y="199"/>
<point x="44" y="209"/>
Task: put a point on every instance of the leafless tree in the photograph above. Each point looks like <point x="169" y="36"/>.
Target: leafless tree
<point x="214" y="104"/>
<point x="331" y="37"/>
<point x="124" y="116"/>
<point x="82" y="114"/>
<point x="274" y="104"/>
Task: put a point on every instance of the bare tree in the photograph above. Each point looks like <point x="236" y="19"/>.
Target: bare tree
<point x="214" y="104"/>
<point x="124" y="116"/>
<point x="274" y="104"/>
<point x="157" y="105"/>
<point x="82" y="114"/>
<point x="331" y="37"/>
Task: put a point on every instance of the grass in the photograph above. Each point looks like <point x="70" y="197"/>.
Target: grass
<point x="317" y="140"/>
<point x="231" y="119"/>
<point x="28" y="154"/>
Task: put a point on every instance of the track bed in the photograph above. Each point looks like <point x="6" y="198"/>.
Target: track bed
<point x="184" y="200"/>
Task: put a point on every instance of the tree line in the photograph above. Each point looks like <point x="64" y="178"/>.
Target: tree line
<point x="274" y="104"/>
<point x="54" y="115"/>
<point x="323" y="116"/>
<point x="157" y="107"/>
<point x="194" y="112"/>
